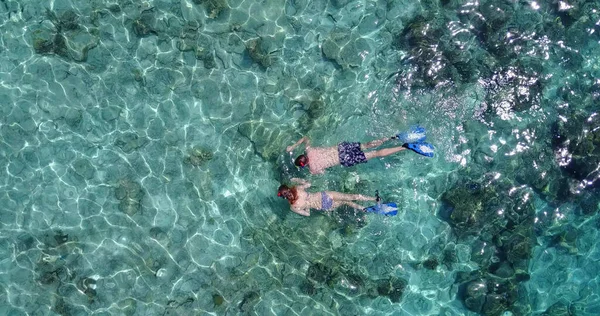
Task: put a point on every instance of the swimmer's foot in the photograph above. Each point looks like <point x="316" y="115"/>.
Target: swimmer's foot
<point x="421" y="148"/>
<point x="414" y="135"/>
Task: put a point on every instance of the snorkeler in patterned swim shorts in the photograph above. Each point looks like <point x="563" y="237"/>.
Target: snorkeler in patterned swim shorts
<point x="302" y="201"/>
<point x="346" y="154"/>
<point x="349" y="154"/>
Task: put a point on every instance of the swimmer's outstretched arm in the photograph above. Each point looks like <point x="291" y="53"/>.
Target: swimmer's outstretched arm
<point x="302" y="140"/>
<point x="303" y="212"/>
<point x="303" y="183"/>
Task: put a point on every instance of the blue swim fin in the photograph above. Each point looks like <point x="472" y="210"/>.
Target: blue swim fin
<point x="387" y="209"/>
<point x="414" y="135"/>
<point x="420" y="148"/>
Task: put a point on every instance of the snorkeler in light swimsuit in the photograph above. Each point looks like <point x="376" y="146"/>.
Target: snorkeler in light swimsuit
<point x="302" y="201"/>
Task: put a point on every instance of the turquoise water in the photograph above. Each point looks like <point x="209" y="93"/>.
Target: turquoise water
<point x="142" y="144"/>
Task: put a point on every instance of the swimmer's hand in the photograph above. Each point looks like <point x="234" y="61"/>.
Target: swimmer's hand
<point x="298" y="180"/>
<point x="303" y="183"/>
<point x="302" y="140"/>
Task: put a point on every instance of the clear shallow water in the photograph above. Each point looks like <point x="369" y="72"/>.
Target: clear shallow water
<point x="142" y="145"/>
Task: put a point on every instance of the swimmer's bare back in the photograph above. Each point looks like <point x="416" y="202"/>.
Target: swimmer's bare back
<point x="319" y="158"/>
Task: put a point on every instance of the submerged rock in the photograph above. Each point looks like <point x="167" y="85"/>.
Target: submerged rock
<point x="498" y="222"/>
<point x="351" y="283"/>
<point x="320" y="273"/>
<point x="198" y="156"/>
<point x="63" y="36"/>
<point x="577" y="145"/>
<point x="518" y="250"/>
<point x="68" y="21"/>
<point x="422" y="39"/>
<point x="495" y="304"/>
<point x="487" y="296"/>
<point x="130" y="142"/>
<point x="491" y="28"/>
<point x="468" y="205"/>
<point x="436" y="56"/>
<point x="503" y="270"/>
<point x="259" y="53"/>
<point x="431" y="263"/>
<point x="514" y="88"/>
<point x="43" y="41"/>
<point x="485" y="210"/>
<point x="560" y="309"/>
<point x="393" y="288"/>
<point x="248" y="302"/>
<point x="143" y="26"/>
<point x="87" y="286"/>
<point x="60" y="237"/>
<point x="267" y="138"/>
<point x="474" y="296"/>
<point x="307" y="287"/>
<point x="213" y="7"/>
<point x="345" y="48"/>
<point x="218" y="300"/>
<point x="130" y="195"/>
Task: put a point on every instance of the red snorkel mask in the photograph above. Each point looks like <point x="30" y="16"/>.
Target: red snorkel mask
<point x="284" y="192"/>
<point x="301" y="161"/>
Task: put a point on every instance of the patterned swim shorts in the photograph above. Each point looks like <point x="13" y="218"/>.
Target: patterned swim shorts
<point x="350" y="154"/>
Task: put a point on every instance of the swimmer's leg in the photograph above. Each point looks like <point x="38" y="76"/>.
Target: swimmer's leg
<point x="383" y="152"/>
<point x="349" y="197"/>
<point x="349" y="203"/>
<point x="374" y="143"/>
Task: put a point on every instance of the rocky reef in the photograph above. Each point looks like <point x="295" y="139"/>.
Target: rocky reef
<point x="198" y="156"/>
<point x="63" y="36"/>
<point x="345" y="48"/>
<point x="336" y="275"/>
<point x="499" y="224"/>
<point x="130" y="195"/>
<point x="213" y="7"/>
<point x="577" y="143"/>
